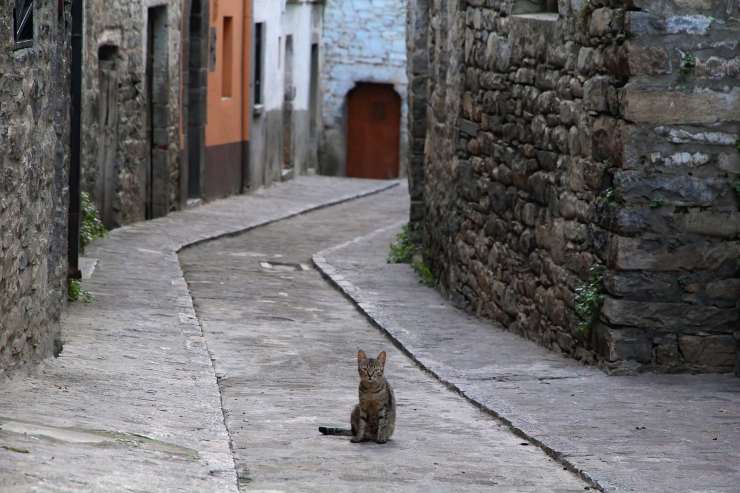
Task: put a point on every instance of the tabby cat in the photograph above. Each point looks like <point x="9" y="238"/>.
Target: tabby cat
<point x="374" y="418"/>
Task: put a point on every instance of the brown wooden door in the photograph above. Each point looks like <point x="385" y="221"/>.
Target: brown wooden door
<point x="373" y="131"/>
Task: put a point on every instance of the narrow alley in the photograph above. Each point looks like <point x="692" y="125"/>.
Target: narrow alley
<point x="284" y="340"/>
<point x="211" y="209"/>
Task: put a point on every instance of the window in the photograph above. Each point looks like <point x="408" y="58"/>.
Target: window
<point x="23" y="23"/>
<point x="227" y="74"/>
<point x="259" y="42"/>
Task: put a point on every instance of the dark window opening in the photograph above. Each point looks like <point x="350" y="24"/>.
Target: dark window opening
<point x="227" y="71"/>
<point x="259" y="42"/>
<point x="313" y="104"/>
<point x="23" y="23"/>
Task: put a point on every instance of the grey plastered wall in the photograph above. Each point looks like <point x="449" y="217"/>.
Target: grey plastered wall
<point x="34" y="123"/>
<point x="600" y="137"/>
<point x="363" y="41"/>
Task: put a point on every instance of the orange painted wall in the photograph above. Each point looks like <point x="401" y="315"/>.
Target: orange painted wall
<point x="228" y="114"/>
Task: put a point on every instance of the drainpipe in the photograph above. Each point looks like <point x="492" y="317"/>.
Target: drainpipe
<point x="73" y="239"/>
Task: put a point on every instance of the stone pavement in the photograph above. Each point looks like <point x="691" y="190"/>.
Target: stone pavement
<point x="646" y="433"/>
<point x="284" y="341"/>
<point x="133" y="404"/>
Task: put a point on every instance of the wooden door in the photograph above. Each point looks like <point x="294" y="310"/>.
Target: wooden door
<point x="373" y="131"/>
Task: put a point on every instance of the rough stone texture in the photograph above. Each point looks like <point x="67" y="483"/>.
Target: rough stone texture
<point x="116" y="150"/>
<point x="284" y="345"/>
<point x="596" y="137"/>
<point x="34" y="138"/>
<point x="362" y="42"/>
<point x="657" y="433"/>
<point x="132" y="404"/>
<point x="418" y="65"/>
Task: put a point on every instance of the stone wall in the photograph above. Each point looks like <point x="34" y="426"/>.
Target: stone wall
<point x="116" y="153"/>
<point x="589" y="155"/>
<point x="362" y="42"/>
<point x="34" y="122"/>
<point x="418" y="64"/>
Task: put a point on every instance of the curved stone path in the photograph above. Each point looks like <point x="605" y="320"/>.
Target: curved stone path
<point x="283" y="342"/>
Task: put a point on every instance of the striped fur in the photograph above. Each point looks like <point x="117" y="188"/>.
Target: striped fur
<point x="335" y="431"/>
<point x="374" y="418"/>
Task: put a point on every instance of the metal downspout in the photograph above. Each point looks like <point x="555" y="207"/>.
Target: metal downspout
<point x="73" y="245"/>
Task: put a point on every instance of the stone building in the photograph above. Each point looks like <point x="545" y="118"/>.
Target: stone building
<point x="196" y="99"/>
<point x="34" y="118"/>
<point x="131" y="152"/>
<point x="580" y="178"/>
<point x="285" y="73"/>
<point x="364" y="80"/>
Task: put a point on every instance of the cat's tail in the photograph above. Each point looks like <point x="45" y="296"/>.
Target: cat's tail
<point x="335" y="431"/>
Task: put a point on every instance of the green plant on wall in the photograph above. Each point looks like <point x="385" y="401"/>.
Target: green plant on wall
<point x="91" y="227"/>
<point x="656" y="204"/>
<point x="426" y="276"/>
<point x="589" y="297"/>
<point x="404" y="251"/>
<point x="688" y="63"/>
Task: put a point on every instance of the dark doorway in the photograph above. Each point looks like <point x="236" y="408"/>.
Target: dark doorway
<point x="289" y="91"/>
<point x="313" y="104"/>
<point x="197" y="94"/>
<point x="157" y="173"/>
<point x="106" y="176"/>
<point x="373" y="131"/>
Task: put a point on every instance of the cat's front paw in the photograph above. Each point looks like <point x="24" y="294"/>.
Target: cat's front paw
<point x="380" y="441"/>
<point x="355" y="440"/>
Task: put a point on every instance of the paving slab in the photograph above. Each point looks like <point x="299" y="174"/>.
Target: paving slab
<point x="132" y="404"/>
<point x="645" y="433"/>
<point x="284" y="343"/>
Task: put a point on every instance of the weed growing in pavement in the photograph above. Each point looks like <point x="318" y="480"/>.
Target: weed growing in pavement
<point x="404" y="251"/>
<point x="402" y="248"/>
<point x="76" y="293"/>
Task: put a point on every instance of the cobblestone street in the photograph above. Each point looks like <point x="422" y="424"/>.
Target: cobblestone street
<point x="284" y="341"/>
<point x="240" y="346"/>
<point x="220" y="219"/>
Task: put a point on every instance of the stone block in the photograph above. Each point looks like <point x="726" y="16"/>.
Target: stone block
<point x="596" y="94"/>
<point x="710" y="223"/>
<point x="672" y="317"/>
<point x="699" y="106"/>
<point x="648" y="60"/>
<point x="643" y="22"/>
<point x="672" y="189"/>
<point x="607" y="141"/>
<point x="715" y="352"/>
<point x="652" y="254"/>
<point x="624" y="344"/>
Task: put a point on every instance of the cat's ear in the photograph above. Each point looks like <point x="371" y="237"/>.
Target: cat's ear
<point x="361" y="356"/>
<point x="381" y="358"/>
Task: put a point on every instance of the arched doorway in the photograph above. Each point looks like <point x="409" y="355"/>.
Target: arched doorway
<point x="373" y="131"/>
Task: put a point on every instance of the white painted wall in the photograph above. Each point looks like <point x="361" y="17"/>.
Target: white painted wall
<point x="302" y="20"/>
<point x="270" y="13"/>
<point x="364" y="41"/>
